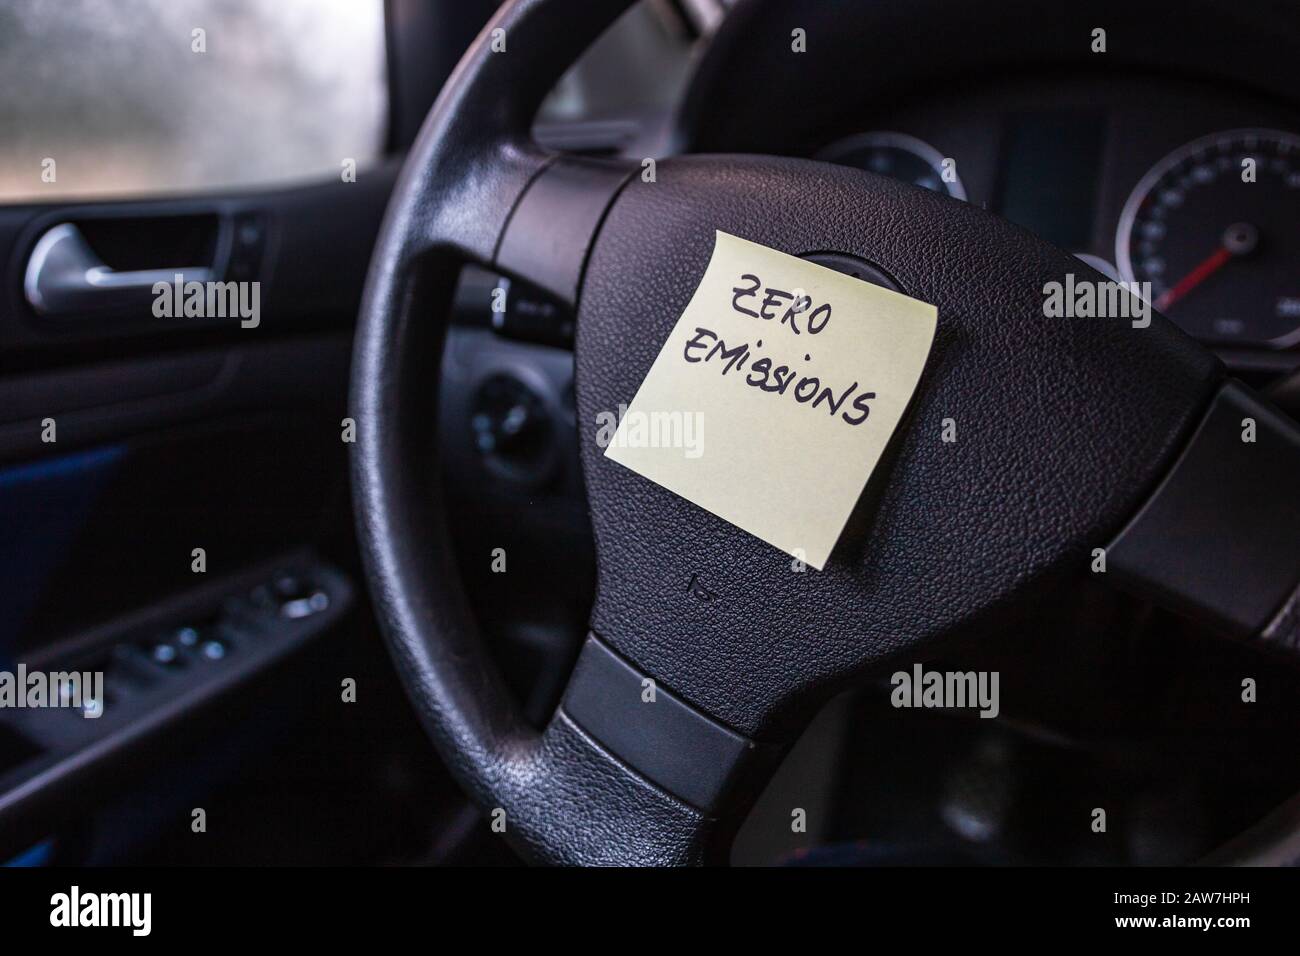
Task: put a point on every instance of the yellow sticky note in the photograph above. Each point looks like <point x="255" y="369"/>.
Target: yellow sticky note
<point x="775" y="395"/>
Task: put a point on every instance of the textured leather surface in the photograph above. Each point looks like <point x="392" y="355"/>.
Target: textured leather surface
<point x="1063" y="427"/>
<point x="575" y="796"/>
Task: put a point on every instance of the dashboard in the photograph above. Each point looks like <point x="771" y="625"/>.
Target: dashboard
<point x="1188" y="192"/>
<point x="1090" y="160"/>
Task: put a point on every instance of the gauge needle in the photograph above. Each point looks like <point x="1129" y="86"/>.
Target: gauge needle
<point x="1187" y="283"/>
<point x="1239" y="239"/>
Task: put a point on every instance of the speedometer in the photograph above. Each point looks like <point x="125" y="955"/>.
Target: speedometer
<point x="1214" y="227"/>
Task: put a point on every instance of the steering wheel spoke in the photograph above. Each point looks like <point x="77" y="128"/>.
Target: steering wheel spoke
<point x="666" y="740"/>
<point x="1219" y="538"/>
<point x="553" y="225"/>
<point x="476" y="154"/>
<point x="566" y="799"/>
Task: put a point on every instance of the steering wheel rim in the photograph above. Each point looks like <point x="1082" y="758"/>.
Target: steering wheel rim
<point x="610" y="780"/>
<point x="470" y="164"/>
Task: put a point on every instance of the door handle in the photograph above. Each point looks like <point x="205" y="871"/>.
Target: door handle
<point x="64" y="277"/>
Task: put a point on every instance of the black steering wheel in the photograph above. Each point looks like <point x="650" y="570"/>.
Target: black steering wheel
<point x="1076" y="434"/>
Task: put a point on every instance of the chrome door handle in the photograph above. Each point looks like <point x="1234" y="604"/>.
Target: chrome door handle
<point x="64" y="277"/>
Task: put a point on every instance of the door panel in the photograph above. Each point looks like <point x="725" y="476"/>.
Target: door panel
<point x="146" y="419"/>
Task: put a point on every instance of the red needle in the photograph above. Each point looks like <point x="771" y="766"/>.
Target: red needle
<point x="1194" y="278"/>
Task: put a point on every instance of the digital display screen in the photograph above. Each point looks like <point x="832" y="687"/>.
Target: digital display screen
<point x="1050" y="168"/>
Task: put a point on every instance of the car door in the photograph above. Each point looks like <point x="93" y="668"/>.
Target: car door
<point x="189" y="193"/>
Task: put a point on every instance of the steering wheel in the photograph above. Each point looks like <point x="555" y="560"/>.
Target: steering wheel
<point x="1074" y="435"/>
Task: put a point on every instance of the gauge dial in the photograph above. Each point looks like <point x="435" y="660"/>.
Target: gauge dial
<point x="1215" y="228"/>
<point x="897" y="156"/>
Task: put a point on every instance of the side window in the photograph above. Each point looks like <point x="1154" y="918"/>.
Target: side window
<point x="105" y="100"/>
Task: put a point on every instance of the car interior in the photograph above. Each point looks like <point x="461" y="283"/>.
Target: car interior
<point x="364" y="588"/>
